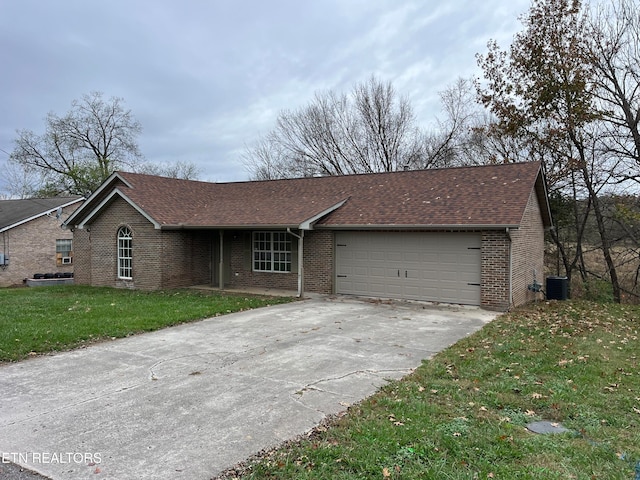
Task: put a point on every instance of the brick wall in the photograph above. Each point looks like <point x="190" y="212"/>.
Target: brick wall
<point x="161" y="259"/>
<point x="318" y="261"/>
<point x="494" y="270"/>
<point x="318" y="264"/>
<point x="97" y="249"/>
<point x="82" y="257"/>
<point x="31" y="248"/>
<point x="241" y="271"/>
<point x="185" y="258"/>
<point x="527" y="249"/>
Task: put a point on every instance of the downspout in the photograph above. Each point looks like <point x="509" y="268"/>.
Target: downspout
<point x="221" y="262"/>
<point x="300" y="261"/>
<point x="508" y="232"/>
<point x="5" y="250"/>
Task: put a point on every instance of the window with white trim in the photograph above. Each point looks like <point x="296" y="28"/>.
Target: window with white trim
<point x="125" y="253"/>
<point x="271" y="252"/>
<point x="64" y="251"/>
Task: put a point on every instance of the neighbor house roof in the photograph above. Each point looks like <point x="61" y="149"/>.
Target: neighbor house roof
<point x="17" y="212"/>
<point x="464" y="197"/>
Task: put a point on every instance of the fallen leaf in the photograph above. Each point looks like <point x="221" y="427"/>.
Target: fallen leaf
<point x="386" y="473"/>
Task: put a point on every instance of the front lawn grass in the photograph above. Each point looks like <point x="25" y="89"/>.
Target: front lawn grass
<point x="46" y="319"/>
<point x="463" y="414"/>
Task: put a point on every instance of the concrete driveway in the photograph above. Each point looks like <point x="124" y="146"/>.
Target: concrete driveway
<point x="190" y="401"/>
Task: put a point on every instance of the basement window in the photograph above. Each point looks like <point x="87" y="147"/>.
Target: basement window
<point x="271" y="252"/>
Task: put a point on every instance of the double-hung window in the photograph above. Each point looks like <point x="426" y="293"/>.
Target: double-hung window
<point x="125" y="253"/>
<point x="271" y="252"/>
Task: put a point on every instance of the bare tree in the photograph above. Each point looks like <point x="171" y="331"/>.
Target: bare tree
<point x="82" y="148"/>
<point x="179" y="169"/>
<point x="370" y="130"/>
<point x="614" y="53"/>
<point x="449" y="142"/>
<point x="542" y="92"/>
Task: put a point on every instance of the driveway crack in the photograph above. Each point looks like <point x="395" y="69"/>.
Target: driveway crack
<point x="71" y="405"/>
<point x="298" y="396"/>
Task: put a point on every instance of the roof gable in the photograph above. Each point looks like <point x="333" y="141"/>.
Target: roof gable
<point x="465" y="197"/>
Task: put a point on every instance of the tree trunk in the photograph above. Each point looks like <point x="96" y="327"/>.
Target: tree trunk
<point x="604" y="238"/>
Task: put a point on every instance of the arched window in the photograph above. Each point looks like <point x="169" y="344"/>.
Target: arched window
<point x="125" y="253"/>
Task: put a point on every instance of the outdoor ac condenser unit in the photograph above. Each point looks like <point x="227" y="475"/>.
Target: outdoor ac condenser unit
<point x="66" y="260"/>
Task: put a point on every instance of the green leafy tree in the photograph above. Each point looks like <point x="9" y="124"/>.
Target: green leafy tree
<point x="80" y="149"/>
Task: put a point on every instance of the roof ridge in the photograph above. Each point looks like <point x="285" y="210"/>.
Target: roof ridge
<point x="350" y="175"/>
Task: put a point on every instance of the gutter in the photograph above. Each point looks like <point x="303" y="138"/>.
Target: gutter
<point x="429" y="226"/>
<point x="41" y="214"/>
<point x="182" y="226"/>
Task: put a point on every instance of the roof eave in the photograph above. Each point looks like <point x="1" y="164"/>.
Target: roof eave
<point x="543" y="199"/>
<point x="182" y="226"/>
<point x="41" y="214"/>
<point x="426" y="226"/>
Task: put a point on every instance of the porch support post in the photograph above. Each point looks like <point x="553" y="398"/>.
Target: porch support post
<point x="301" y="264"/>
<point x="300" y="261"/>
<point x="221" y="262"/>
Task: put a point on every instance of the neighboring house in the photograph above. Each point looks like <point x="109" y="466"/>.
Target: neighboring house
<point x="32" y="240"/>
<point x="470" y="235"/>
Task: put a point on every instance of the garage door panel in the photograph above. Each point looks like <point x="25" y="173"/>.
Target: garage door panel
<point x="393" y="256"/>
<point x="422" y="266"/>
<point x="469" y="277"/>
<point x="412" y="257"/>
<point x="373" y="271"/>
<point x="360" y="255"/>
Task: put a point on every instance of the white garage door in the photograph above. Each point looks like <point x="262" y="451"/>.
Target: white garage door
<point x="440" y="267"/>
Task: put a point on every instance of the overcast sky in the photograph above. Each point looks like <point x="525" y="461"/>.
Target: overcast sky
<point x="207" y="77"/>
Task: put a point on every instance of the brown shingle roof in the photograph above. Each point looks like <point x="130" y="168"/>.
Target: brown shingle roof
<point x="493" y="195"/>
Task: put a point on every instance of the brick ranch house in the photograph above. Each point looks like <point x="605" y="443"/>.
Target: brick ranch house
<point x="31" y="240"/>
<point x="469" y="235"/>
